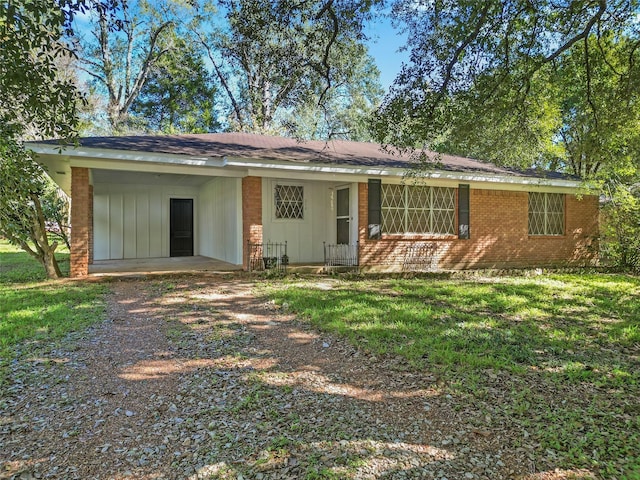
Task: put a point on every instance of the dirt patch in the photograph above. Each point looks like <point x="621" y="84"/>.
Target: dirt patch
<point x="195" y="377"/>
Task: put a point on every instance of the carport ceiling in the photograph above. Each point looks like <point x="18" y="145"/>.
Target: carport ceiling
<point x="143" y="178"/>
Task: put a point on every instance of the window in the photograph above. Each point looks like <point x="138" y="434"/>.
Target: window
<point x="417" y="209"/>
<point x="289" y="202"/>
<point x="546" y="213"/>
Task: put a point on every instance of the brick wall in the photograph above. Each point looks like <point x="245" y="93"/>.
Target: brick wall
<point x="251" y="214"/>
<point x="81" y="221"/>
<point x="499" y="237"/>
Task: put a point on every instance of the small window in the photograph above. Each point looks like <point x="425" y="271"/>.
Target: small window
<point x="418" y="209"/>
<point x="546" y="213"/>
<point x="289" y="202"/>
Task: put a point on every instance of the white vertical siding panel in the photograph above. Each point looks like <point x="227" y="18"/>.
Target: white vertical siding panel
<point x="101" y="227"/>
<point x="142" y="225"/>
<point x="318" y="231"/>
<point x="238" y="247"/>
<point x="155" y="224"/>
<point x="353" y="205"/>
<point x="304" y="238"/>
<point x="220" y="219"/>
<point x="205" y="220"/>
<point x="129" y="225"/>
<point x="115" y="227"/>
<point x="231" y="220"/>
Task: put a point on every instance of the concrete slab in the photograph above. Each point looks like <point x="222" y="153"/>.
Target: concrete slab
<point x="161" y="265"/>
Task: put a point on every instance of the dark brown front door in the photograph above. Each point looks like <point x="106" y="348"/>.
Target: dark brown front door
<point x="181" y="227"/>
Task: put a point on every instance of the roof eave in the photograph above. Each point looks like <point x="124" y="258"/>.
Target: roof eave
<point x="216" y="162"/>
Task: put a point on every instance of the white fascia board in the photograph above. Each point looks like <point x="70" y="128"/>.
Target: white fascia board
<point x="156" y="168"/>
<point x="128" y="156"/>
<point x="354" y="173"/>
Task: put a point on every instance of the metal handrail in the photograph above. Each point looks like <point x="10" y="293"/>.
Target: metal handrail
<point x="341" y="256"/>
<point x="267" y="256"/>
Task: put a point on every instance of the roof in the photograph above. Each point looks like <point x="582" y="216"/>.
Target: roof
<point x="264" y="147"/>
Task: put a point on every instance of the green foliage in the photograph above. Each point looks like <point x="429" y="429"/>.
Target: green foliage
<point x="621" y="229"/>
<point x="25" y="204"/>
<point x="275" y="59"/>
<point x="345" y="110"/>
<point x="121" y="47"/>
<point x="56" y="208"/>
<point x="37" y="312"/>
<point x="178" y="96"/>
<point x="512" y="323"/>
<point x="31" y="92"/>
<point x="519" y="83"/>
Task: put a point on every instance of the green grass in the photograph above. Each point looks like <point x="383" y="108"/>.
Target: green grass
<point x="571" y="342"/>
<point x="35" y="310"/>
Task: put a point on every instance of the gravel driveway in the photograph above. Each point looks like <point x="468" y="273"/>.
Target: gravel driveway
<point x="196" y="377"/>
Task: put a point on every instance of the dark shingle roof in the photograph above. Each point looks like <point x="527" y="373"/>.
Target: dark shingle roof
<point x="263" y="147"/>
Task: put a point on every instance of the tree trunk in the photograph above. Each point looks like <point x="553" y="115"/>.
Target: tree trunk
<point x="45" y="251"/>
<point x="50" y="264"/>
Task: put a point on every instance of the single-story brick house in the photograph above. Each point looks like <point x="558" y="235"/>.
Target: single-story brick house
<point x="216" y="194"/>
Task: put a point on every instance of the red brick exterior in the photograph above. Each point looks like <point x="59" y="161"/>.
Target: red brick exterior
<point x="81" y="221"/>
<point x="499" y="236"/>
<point x="251" y="214"/>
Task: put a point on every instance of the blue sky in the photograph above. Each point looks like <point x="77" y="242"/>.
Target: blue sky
<point x="384" y="43"/>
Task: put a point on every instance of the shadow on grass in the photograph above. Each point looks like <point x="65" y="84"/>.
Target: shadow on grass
<point x="265" y="418"/>
<point x="20" y="267"/>
<point x="512" y="324"/>
<point x="34" y="308"/>
<point x="569" y="346"/>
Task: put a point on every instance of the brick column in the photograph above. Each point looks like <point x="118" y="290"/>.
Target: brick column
<point x="81" y="201"/>
<point x="251" y="215"/>
<point x="363" y="222"/>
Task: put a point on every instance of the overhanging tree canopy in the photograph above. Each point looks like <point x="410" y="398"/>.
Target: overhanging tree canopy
<point x="494" y="61"/>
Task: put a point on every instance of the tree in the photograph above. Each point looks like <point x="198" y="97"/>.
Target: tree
<point x="273" y="56"/>
<point x="22" y="214"/>
<point x="621" y="227"/>
<point x="56" y="208"/>
<point x="178" y="96"/>
<point x="345" y="110"/>
<point x="31" y="92"/>
<point x="120" y="49"/>
<point x="487" y="55"/>
<point x="35" y="96"/>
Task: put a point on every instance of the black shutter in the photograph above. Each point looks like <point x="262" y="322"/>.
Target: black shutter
<point x="375" y="208"/>
<point x="463" y="212"/>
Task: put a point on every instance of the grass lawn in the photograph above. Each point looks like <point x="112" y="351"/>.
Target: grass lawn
<point x="557" y="356"/>
<point x="34" y="310"/>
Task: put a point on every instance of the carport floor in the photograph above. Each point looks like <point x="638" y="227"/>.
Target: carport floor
<point x="160" y="265"/>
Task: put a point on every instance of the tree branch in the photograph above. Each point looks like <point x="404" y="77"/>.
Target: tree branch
<point x="225" y="84"/>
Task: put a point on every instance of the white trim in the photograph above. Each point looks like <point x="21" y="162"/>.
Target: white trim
<point x="238" y="167"/>
<point x="155" y="168"/>
<point x="127" y="155"/>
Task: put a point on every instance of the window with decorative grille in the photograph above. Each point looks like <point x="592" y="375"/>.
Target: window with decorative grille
<point x="418" y="209"/>
<point x="289" y="202"/>
<point x="546" y="213"/>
